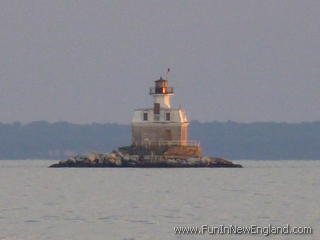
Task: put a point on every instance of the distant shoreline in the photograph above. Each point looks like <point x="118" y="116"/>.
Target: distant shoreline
<point x="232" y="140"/>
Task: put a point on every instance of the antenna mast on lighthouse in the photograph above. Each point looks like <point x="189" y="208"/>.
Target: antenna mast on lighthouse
<point x="167" y="73"/>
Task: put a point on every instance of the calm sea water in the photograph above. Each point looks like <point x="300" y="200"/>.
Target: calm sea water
<point x="37" y="202"/>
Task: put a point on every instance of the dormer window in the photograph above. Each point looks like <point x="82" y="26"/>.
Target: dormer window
<point x="168" y="116"/>
<point x="145" y="116"/>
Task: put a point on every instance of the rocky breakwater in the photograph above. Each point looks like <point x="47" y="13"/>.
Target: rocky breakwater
<point x="124" y="160"/>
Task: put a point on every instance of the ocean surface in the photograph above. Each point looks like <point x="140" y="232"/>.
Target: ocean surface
<point x="43" y="203"/>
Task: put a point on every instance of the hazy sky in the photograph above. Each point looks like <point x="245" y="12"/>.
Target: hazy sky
<point x="93" y="61"/>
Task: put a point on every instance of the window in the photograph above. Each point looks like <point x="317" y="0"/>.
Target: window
<point x="145" y="116"/>
<point x="156" y="108"/>
<point x="168" y="116"/>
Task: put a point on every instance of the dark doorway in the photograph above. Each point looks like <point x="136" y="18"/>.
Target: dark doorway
<point x="168" y="135"/>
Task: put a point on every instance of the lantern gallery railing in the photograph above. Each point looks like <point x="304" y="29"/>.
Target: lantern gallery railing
<point x="161" y="90"/>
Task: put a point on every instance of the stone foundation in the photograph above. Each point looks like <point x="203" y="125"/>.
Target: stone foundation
<point x="152" y="133"/>
<point x="174" y="151"/>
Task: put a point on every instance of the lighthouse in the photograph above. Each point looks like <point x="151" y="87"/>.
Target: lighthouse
<point x="159" y="139"/>
<point x="161" y="124"/>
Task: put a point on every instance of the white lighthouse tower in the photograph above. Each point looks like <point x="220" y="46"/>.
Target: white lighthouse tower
<point x="162" y="93"/>
<point x="160" y="125"/>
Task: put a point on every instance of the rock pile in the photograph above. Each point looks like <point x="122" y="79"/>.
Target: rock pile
<point x="120" y="159"/>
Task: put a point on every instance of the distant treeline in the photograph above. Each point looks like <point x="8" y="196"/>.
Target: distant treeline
<point x="43" y="140"/>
